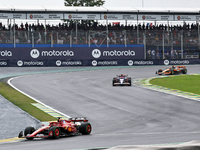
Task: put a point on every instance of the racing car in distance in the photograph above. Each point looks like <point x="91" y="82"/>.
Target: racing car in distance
<point x="121" y="79"/>
<point x="56" y="129"/>
<point x="172" y="70"/>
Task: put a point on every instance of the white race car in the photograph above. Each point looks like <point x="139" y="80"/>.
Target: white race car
<point x="121" y="79"/>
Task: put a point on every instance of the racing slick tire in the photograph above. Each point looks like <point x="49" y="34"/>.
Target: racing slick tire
<point x="113" y="82"/>
<point x="129" y="81"/>
<point x="172" y="72"/>
<point x="85" y="128"/>
<point x="184" y="71"/>
<point x="29" y="130"/>
<point x="54" y="132"/>
<point x="159" y="72"/>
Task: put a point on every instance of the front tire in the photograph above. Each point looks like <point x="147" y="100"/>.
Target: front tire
<point x="85" y="128"/>
<point x="129" y="80"/>
<point x="29" y="130"/>
<point x="113" y="82"/>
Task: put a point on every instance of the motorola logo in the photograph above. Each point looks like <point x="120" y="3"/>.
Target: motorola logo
<point x="34" y="53"/>
<point x="96" y="53"/>
<point x="20" y="63"/>
<point x="94" y="63"/>
<point x="130" y="63"/>
<point x="58" y="63"/>
<point x="166" y="62"/>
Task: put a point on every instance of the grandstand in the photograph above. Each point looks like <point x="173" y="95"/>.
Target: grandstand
<point x="161" y="41"/>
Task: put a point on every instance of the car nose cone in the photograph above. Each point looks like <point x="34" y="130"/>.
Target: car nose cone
<point x="121" y="81"/>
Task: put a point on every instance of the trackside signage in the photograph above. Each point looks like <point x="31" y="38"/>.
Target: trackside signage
<point x="74" y="53"/>
<point x="94" y="62"/>
<point x="82" y="56"/>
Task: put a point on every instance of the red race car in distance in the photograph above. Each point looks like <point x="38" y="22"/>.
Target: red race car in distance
<point x="56" y="129"/>
<point x="172" y="70"/>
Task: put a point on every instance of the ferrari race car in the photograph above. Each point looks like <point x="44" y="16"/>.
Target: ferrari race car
<point x="172" y="70"/>
<point x="121" y="79"/>
<point x="56" y="129"/>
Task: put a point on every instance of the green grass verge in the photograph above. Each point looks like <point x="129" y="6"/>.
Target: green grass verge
<point x="23" y="102"/>
<point x="186" y="83"/>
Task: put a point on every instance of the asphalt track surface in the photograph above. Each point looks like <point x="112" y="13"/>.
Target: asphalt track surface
<point x="119" y="115"/>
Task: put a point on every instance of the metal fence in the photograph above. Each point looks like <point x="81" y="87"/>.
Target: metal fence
<point x="160" y="43"/>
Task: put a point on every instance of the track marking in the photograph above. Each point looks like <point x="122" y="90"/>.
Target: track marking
<point x="49" y="111"/>
<point x="39" y="104"/>
<point x="151" y="133"/>
<point x="144" y="82"/>
<point x="10" y="140"/>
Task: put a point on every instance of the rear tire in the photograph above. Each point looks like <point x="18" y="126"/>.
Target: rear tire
<point x="85" y="128"/>
<point x="54" y="132"/>
<point x="172" y="72"/>
<point x="29" y="130"/>
<point x="184" y="71"/>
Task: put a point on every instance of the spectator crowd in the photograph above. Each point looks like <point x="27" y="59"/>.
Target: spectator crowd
<point x="153" y="36"/>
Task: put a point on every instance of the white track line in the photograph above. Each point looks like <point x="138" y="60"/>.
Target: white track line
<point x="9" y="82"/>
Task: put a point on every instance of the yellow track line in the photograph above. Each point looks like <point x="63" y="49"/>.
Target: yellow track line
<point x="10" y="140"/>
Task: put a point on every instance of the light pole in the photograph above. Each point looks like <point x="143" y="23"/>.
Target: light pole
<point x="142" y="3"/>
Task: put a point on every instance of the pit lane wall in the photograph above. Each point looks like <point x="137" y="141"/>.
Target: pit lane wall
<point x="81" y="56"/>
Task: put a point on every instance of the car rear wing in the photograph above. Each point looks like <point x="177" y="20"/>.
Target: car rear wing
<point x="78" y="119"/>
<point x="181" y="67"/>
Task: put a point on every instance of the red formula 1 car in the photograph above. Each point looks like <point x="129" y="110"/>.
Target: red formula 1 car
<point x="121" y="79"/>
<point x="172" y="70"/>
<point x="56" y="129"/>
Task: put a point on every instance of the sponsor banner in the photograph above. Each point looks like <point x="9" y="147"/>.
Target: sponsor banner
<point x="82" y="16"/>
<point x="118" y="17"/>
<point x="4" y="63"/>
<point x="163" y="62"/>
<point x="185" y="17"/>
<point x="107" y="63"/>
<point x="69" y="63"/>
<point x="198" y="18"/>
<point x="156" y="17"/>
<point x="45" y="16"/>
<point x="59" y="16"/>
<point x="94" y="62"/>
<point x="29" y="63"/>
<point x="72" y="53"/>
<point x="118" y="53"/>
<point x="181" y="62"/>
<point x="140" y="62"/>
<point x="12" y="16"/>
